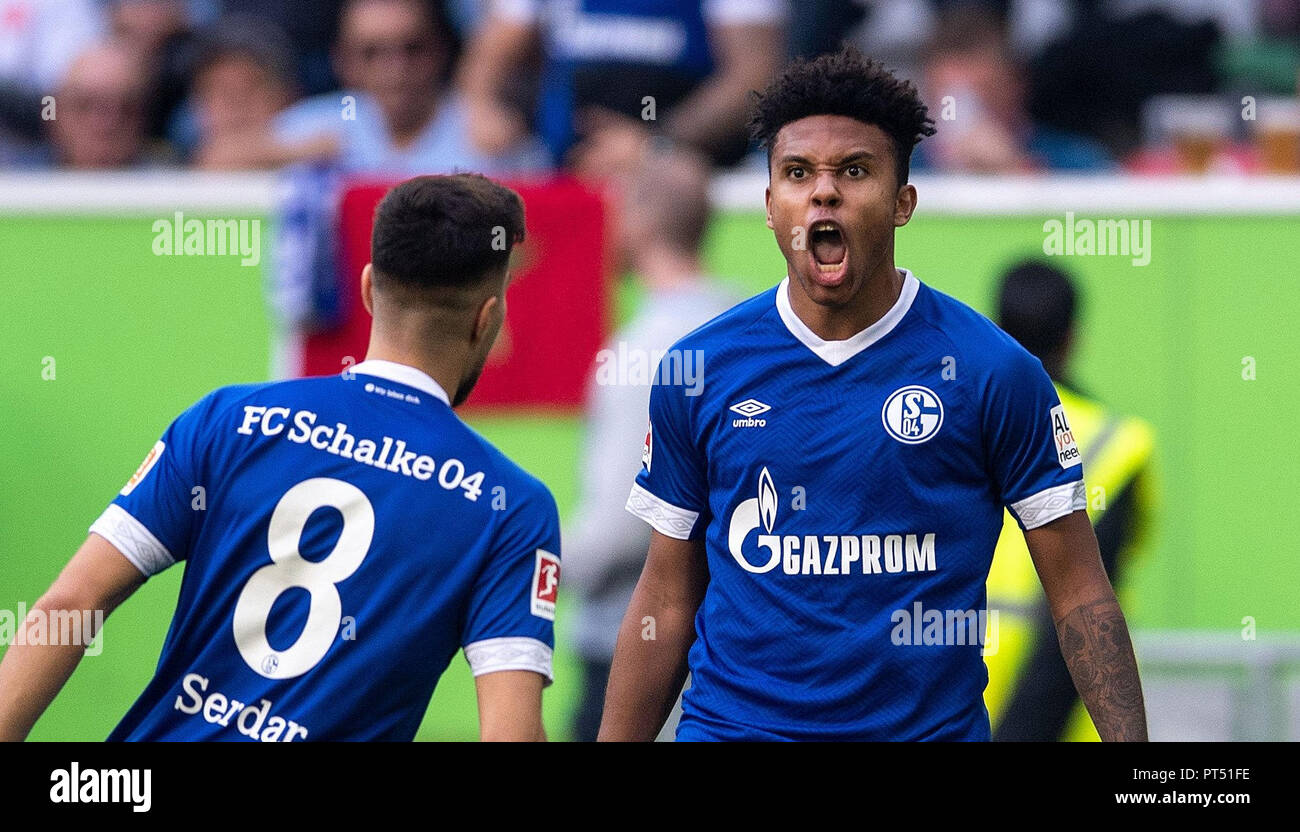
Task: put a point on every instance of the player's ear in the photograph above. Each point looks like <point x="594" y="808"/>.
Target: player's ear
<point x="904" y="204"/>
<point x="767" y="204"/>
<point x="367" y="289"/>
<point x="487" y="320"/>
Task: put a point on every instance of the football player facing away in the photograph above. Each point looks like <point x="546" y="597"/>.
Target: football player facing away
<point x="825" y="511"/>
<point x="354" y="532"/>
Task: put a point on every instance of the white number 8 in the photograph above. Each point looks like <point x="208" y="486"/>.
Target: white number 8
<point x="289" y="569"/>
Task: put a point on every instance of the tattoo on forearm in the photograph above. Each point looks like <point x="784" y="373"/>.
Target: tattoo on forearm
<point x="1096" y="647"/>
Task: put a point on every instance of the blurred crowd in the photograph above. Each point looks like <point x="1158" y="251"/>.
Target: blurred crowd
<point x="587" y="86"/>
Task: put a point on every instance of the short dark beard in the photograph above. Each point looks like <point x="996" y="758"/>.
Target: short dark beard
<point x="465" y="388"/>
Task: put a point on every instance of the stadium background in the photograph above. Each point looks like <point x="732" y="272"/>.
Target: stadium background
<point x="138" y="338"/>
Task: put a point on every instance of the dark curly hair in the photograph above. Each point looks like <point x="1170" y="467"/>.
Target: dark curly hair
<point x="843" y="83"/>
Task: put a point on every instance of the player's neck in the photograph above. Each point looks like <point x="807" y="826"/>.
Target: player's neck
<point x="667" y="269"/>
<point x="439" y="368"/>
<point x="871" y="303"/>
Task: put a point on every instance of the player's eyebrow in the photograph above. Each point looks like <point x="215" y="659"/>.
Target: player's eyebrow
<point x="855" y="156"/>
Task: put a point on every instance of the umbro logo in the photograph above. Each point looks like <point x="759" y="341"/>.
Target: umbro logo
<point x="749" y="409"/>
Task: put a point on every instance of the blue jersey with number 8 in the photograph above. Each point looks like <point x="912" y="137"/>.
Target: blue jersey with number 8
<point x="344" y="536"/>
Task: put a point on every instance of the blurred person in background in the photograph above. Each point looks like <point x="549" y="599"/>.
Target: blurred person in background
<point x="161" y="33"/>
<point x="396" y="114"/>
<point x="606" y="63"/>
<point x="147" y="25"/>
<point x="895" y="32"/>
<point x="100" y="116"/>
<point x="662" y="220"/>
<point x="311" y="27"/>
<point x="243" y="78"/>
<point x="972" y="80"/>
<point x="1030" y="696"/>
<point x="1094" y="78"/>
<point x="1261" y="44"/>
<point x="39" y="39"/>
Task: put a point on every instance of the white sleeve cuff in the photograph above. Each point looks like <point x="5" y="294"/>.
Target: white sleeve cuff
<point x="516" y="11"/>
<point x="130" y="537"/>
<point x="665" y="517"/>
<point x="510" y="653"/>
<point x="1049" y="504"/>
<point x="742" y="12"/>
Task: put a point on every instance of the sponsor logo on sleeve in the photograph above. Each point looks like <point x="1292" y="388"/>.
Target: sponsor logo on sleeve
<point x="647" y="450"/>
<point x="546" y="585"/>
<point x="1067" y="451"/>
<point x="144" y="469"/>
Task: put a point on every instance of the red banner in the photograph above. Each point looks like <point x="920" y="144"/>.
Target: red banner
<point x="556" y="310"/>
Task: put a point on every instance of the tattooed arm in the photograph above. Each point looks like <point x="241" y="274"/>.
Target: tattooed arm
<point x="1090" y="626"/>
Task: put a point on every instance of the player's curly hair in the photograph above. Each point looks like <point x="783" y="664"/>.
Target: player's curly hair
<point x="843" y="83"/>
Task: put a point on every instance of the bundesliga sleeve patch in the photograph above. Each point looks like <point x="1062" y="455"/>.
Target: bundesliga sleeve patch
<point x="1067" y="451"/>
<point x="546" y="585"/>
<point x="145" y="467"/>
<point x="648" y="448"/>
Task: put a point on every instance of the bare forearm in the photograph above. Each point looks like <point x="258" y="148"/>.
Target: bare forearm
<point x="491" y="56"/>
<point x="716" y="111"/>
<point x="1096" y="647"/>
<point x="31" y="675"/>
<point x="510" y="706"/>
<point x="649" y="668"/>
<point x="714" y="114"/>
<point x="98" y="578"/>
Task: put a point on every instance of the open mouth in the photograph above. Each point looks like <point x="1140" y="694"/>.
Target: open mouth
<point x="828" y="248"/>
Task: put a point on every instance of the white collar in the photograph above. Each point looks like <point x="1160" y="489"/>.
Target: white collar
<point x="402" y="374"/>
<point x="836" y="353"/>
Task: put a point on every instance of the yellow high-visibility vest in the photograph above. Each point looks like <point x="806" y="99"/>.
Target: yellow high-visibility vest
<point x="1116" y="450"/>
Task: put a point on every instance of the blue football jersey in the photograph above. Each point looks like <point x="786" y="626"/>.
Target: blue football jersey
<point x="850" y="495"/>
<point x="343" y="537"/>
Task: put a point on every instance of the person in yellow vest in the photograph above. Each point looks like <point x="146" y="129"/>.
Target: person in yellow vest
<point x="1030" y="696"/>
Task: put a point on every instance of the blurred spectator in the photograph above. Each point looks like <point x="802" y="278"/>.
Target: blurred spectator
<point x="395" y="113"/>
<point x="1094" y="79"/>
<point x="311" y="26"/>
<point x="100" y="115"/>
<point x="896" y="31"/>
<point x="823" y="25"/>
<point x="1266" y="58"/>
<point x="38" y="41"/>
<point x="147" y="25"/>
<point x="661" y="224"/>
<point x="976" y="91"/>
<point x="243" y="77"/>
<point x="161" y="33"/>
<point x="40" y="38"/>
<point x="615" y="69"/>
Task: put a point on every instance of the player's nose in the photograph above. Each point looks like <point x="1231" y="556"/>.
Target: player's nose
<point x="824" y="192"/>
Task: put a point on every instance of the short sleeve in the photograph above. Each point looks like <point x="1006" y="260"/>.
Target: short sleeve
<point x="746" y="12"/>
<point x="151" y="521"/>
<point x="313" y="117"/>
<point x="1030" y="447"/>
<point x="670" y="492"/>
<point x="510" y="622"/>
<point x="516" y="11"/>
